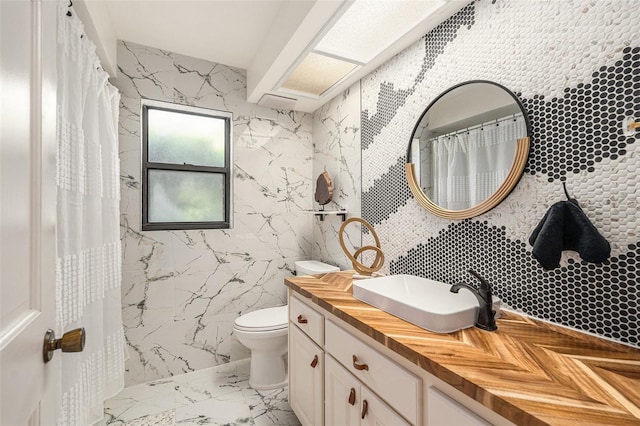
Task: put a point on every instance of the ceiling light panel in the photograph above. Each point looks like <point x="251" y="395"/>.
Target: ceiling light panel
<point x="370" y="26"/>
<point x="317" y="73"/>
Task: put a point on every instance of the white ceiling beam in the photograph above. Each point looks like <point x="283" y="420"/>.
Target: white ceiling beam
<point x="295" y="28"/>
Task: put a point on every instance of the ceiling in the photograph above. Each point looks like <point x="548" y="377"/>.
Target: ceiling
<point x="268" y="38"/>
<point x="226" y="32"/>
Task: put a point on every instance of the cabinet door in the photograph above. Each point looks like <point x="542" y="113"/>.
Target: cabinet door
<point x="374" y="412"/>
<point x="306" y="378"/>
<point x="398" y="387"/>
<point x="342" y="395"/>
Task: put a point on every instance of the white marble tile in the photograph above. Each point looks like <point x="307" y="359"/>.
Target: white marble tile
<point x="221" y="382"/>
<point x="145" y="72"/>
<point x="140" y="400"/>
<point x="146" y="301"/>
<point x="134" y="368"/>
<point x="166" y="418"/>
<point x="230" y="288"/>
<point x="217" y="395"/>
<point x="270" y="407"/>
<point x="336" y="137"/>
<point x="209" y="85"/>
<point x="214" y="412"/>
<point x="151" y="252"/>
<point x="160" y="349"/>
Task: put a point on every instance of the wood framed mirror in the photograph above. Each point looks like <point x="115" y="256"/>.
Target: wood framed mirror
<point x="468" y="150"/>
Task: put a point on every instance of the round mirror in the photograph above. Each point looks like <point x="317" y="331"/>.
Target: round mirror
<point x="468" y="150"/>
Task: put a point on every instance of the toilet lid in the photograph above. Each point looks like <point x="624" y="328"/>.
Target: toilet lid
<point x="263" y="319"/>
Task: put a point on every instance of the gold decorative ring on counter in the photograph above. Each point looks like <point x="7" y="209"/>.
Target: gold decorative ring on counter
<point x="359" y="267"/>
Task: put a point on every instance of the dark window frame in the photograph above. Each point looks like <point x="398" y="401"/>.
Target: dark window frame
<point x="226" y="171"/>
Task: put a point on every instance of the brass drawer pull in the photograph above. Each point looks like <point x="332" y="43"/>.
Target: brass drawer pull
<point x="365" y="407"/>
<point x="359" y="366"/>
<point x="302" y="320"/>
<point x="315" y="361"/>
<point x="352" y="397"/>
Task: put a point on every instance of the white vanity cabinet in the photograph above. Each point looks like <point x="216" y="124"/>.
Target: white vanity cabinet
<point x="334" y="369"/>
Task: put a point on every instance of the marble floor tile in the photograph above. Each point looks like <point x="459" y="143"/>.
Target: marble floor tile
<point x="140" y="400"/>
<point x="214" y="396"/>
<point x="270" y="407"/>
<point x="166" y="418"/>
<point x="215" y="412"/>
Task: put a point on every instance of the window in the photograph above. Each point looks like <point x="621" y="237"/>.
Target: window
<point x="186" y="167"/>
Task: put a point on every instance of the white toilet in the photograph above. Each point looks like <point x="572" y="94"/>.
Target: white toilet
<point x="265" y="332"/>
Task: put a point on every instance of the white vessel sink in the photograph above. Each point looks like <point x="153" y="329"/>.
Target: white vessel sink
<point x="426" y="303"/>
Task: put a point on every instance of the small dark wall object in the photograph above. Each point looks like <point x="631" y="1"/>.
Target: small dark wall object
<point x="324" y="189"/>
<point x="566" y="227"/>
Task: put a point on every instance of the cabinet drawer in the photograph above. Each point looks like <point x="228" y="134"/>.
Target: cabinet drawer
<point x="398" y="387"/>
<point x="307" y="319"/>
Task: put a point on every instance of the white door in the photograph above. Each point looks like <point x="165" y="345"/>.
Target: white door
<point x="27" y="210"/>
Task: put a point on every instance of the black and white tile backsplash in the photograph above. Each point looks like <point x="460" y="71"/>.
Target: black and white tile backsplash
<point x="576" y="67"/>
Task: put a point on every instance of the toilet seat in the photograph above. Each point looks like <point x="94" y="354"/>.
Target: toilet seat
<point x="263" y="320"/>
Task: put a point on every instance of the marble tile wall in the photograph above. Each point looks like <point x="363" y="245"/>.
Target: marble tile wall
<point x="336" y="140"/>
<point x="182" y="290"/>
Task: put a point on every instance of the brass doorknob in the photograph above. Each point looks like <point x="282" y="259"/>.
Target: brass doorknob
<point x="72" y="341"/>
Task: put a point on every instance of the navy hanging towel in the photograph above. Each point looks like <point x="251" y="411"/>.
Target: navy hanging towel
<point x="566" y="227"/>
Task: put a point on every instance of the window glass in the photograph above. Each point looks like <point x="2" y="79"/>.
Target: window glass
<point x="187" y="167"/>
<point x="177" y="196"/>
<point x="181" y="138"/>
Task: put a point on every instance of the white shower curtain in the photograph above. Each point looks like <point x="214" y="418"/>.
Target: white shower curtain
<point x="468" y="167"/>
<point x="88" y="245"/>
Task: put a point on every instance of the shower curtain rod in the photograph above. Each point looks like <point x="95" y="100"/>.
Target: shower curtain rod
<point x="481" y="125"/>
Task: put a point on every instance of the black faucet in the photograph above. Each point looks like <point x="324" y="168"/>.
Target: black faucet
<point x="486" y="315"/>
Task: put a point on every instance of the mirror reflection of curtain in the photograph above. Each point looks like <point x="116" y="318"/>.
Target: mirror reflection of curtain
<point x="468" y="167"/>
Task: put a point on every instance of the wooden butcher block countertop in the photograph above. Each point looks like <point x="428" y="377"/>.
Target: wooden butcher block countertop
<point x="528" y="371"/>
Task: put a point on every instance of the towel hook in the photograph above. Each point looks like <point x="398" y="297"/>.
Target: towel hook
<point x="572" y="200"/>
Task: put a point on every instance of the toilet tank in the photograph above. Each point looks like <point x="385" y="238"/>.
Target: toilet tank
<point x="311" y="267"/>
